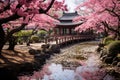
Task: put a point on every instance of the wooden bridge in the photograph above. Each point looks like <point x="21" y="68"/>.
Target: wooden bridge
<point x="69" y="39"/>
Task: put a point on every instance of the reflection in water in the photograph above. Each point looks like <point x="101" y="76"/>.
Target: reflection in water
<point x="88" y="71"/>
<point x="58" y="73"/>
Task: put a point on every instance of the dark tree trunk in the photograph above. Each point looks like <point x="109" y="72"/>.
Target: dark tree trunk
<point x="34" y="31"/>
<point x="12" y="43"/>
<point x="2" y="38"/>
<point x="105" y="33"/>
<point x="116" y="31"/>
<point x="118" y="36"/>
<point x="11" y="38"/>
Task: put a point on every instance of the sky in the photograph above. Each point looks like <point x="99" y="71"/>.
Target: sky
<point x="72" y="4"/>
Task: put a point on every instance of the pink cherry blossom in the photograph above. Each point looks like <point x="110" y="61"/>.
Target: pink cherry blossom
<point x="97" y="13"/>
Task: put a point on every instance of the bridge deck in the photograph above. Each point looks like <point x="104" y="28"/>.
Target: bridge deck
<point x="68" y="39"/>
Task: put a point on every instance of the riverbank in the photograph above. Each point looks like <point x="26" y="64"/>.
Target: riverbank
<point x="85" y="54"/>
<point x="76" y="62"/>
<point x="70" y="56"/>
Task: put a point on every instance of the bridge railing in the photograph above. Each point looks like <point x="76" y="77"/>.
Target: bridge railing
<point x="71" y="38"/>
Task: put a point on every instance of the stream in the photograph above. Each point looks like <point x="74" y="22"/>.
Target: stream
<point x="76" y="62"/>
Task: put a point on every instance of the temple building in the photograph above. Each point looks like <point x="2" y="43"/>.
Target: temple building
<point x="64" y="32"/>
<point x="66" y="25"/>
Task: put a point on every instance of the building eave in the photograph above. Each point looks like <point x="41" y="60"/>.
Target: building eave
<point x="69" y="24"/>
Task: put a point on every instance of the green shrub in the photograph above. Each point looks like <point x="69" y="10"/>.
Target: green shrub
<point x="107" y="40"/>
<point x="34" y="38"/>
<point x="114" y="48"/>
<point x="23" y="33"/>
<point x="42" y="33"/>
<point x="20" y="40"/>
<point x="26" y="32"/>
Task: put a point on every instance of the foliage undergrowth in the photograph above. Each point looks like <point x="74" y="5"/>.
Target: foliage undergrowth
<point x="34" y="38"/>
<point x="107" y="40"/>
<point x="114" y="47"/>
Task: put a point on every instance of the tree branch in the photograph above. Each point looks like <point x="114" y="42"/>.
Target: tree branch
<point x="114" y="5"/>
<point x="15" y="30"/>
<point x="6" y="7"/>
<point x="10" y="18"/>
<point x="16" y="16"/>
<point x="109" y="28"/>
<point x="113" y="13"/>
<point x="1" y="32"/>
<point x="48" y="8"/>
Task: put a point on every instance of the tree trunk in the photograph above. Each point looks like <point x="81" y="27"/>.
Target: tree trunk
<point x="2" y="43"/>
<point x="118" y="34"/>
<point x="105" y="33"/>
<point x="118" y="37"/>
<point x="2" y="38"/>
<point x="11" y="38"/>
<point x="28" y="41"/>
<point x="12" y="43"/>
<point x="34" y="31"/>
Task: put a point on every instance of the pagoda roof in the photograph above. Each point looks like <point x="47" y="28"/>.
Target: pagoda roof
<point x="67" y="19"/>
<point x="68" y="16"/>
<point x="70" y="24"/>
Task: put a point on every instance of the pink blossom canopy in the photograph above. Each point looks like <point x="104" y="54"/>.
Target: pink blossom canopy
<point x="97" y="12"/>
<point x="43" y="21"/>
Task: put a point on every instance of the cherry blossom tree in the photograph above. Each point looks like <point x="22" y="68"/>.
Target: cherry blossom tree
<point x="17" y="14"/>
<point x="100" y="15"/>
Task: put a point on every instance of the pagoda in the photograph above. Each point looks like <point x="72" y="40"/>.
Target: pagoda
<point x="66" y="25"/>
